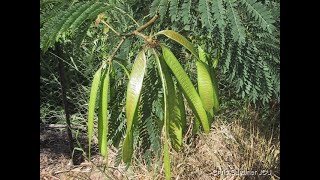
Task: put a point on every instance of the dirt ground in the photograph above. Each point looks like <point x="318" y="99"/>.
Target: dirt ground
<point x="55" y="158"/>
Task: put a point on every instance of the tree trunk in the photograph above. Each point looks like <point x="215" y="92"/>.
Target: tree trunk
<point x="64" y="98"/>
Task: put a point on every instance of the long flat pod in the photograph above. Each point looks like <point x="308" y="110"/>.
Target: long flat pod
<point x="132" y="99"/>
<point x="168" y="89"/>
<point x="207" y="85"/>
<point x="92" y="105"/>
<point x="206" y="89"/>
<point x="166" y="158"/>
<point x="103" y="113"/>
<point x="173" y="109"/>
<point x="187" y="87"/>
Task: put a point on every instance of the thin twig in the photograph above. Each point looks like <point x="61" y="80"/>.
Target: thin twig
<point x="117" y="48"/>
<point x="65" y="61"/>
<point x="62" y="126"/>
<point x="116" y="32"/>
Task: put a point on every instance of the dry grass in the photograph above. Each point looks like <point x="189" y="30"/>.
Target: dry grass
<point x="238" y="152"/>
<point x="235" y="149"/>
<point x="228" y="149"/>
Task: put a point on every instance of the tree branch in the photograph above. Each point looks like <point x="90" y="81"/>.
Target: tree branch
<point x="143" y="27"/>
<point x="150" y="22"/>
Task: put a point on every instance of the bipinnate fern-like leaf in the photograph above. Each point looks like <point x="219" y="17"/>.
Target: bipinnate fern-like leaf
<point x="154" y="7"/>
<point x="132" y="99"/>
<point x="205" y="13"/>
<point x="258" y="11"/>
<point x="68" y="20"/>
<point x="160" y="6"/>
<point x="173" y="117"/>
<point x="81" y="34"/>
<point x="46" y="16"/>
<point x="173" y="10"/>
<point x="180" y="110"/>
<point x="185" y="11"/>
<point x="116" y="118"/>
<point x="233" y="25"/>
<point x="178" y="124"/>
<point x="219" y="13"/>
<point x="237" y="29"/>
<point x="163" y="6"/>
<point x="149" y="94"/>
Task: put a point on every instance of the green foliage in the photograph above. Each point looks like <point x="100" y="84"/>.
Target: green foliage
<point x="205" y="14"/>
<point x="237" y="29"/>
<point x="232" y="26"/>
<point x="69" y="19"/>
<point x="185" y="13"/>
<point x="148" y="128"/>
<point x="169" y="102"/>
<point x="173" y="9"/>
<point x="241" y="39"/>
<point x="178" y="124"/>
<point x="219" y="14"/>
<point x="260" y="13"/>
